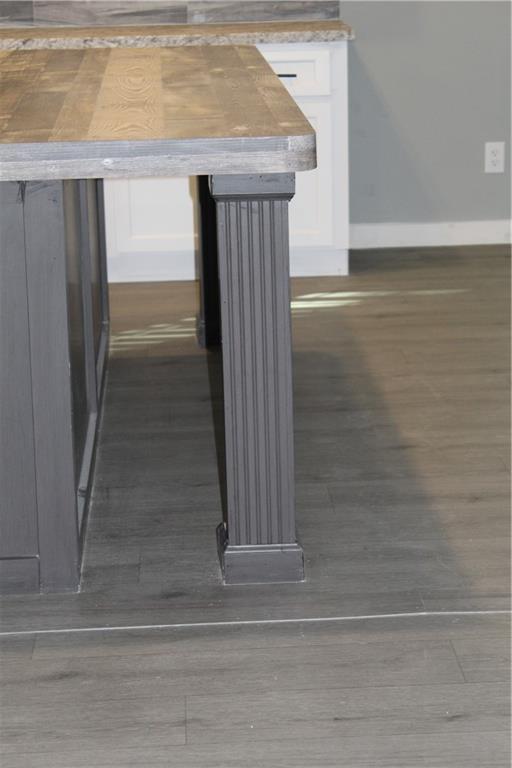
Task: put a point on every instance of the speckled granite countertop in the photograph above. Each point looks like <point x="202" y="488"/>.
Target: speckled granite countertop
<point x="152" y="36"/>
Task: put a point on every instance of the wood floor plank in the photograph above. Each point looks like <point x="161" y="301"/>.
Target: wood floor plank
<point x="474" y="631"/>
<point x="82" y="724"/>
<point x="324" y="714"/>
<point x="16" y="648"/>
<point x="437" y="750"/>
<point x="214" y="673"/>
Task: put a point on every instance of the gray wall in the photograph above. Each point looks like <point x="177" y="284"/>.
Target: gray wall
<point x="429" y="84"/>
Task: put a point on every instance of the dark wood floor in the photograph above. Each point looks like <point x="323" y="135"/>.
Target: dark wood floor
<point x="402" y="443"/>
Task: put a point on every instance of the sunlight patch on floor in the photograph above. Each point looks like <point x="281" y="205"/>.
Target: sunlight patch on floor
<point x="157" y="333"/>
<point x="333" y="299"/>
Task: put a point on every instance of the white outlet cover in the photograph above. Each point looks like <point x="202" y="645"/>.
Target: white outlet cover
<point x="494" y="156"/>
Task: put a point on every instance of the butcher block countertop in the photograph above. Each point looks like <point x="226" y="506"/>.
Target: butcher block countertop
<point x="147" y="112"/>
<point x="240" y="33"/>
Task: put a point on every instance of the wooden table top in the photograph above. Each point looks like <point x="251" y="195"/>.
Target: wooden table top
<point x="156" y="35"/>
<point x="111" y="113"/>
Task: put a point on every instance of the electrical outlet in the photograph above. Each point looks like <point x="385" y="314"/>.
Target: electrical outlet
<point x="494" y="156"/>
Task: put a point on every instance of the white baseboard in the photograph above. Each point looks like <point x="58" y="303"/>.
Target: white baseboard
<point x="151" y="267"/>
<point x="318" y="262"/>
<point x="159" y="267"/>
<point x="430" y="234"/>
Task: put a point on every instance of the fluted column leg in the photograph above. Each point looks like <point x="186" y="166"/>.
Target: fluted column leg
<point x="258" y="543"/>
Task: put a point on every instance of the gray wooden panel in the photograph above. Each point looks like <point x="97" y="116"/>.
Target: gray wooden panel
<point x="94" y="268"/>
<point x="48" y="311"/>
<point x="161" y="12"/>
<point x="80" y="12"/>
<point x="88" y="255"/>
<point x="173" y="111"/>
<point x="88" y="247"/>
<point x="16" y="12"/>
<point x="78" y="332"/>
<point x="18" y="519"/>
<point x="208" y="11"/>
<point x="95" y="265"/>
<point x="102" y="352"/>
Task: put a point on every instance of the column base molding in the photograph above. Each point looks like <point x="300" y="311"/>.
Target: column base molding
<point x="259" y="563"/>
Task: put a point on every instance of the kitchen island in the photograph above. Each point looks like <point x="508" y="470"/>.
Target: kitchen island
<point x="69" y="119"/>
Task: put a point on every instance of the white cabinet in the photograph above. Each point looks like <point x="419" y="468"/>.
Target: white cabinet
<point x="151" y="223"/>
<point x="150" y="229"/>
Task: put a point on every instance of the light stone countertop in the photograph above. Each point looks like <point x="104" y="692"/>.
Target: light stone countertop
<point x="172" y="35"/>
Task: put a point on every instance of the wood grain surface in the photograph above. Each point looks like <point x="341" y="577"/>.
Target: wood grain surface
<point x="241" y="33"/>
<point x="147" y="112"/>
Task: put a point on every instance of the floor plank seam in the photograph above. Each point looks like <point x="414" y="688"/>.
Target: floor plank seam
<point x="457" y="660"/>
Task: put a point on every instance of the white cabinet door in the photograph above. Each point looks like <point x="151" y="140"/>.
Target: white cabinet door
<point x="316" y="76"/>
<point x="151" y="225"/>
<point x="311" y="210"/>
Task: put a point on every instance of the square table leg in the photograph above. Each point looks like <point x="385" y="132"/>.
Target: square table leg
<point x="258" y="543"/>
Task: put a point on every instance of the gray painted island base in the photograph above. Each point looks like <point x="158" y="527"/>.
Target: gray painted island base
<point x="53" y="344"/>
<point x="55" y="311"/>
